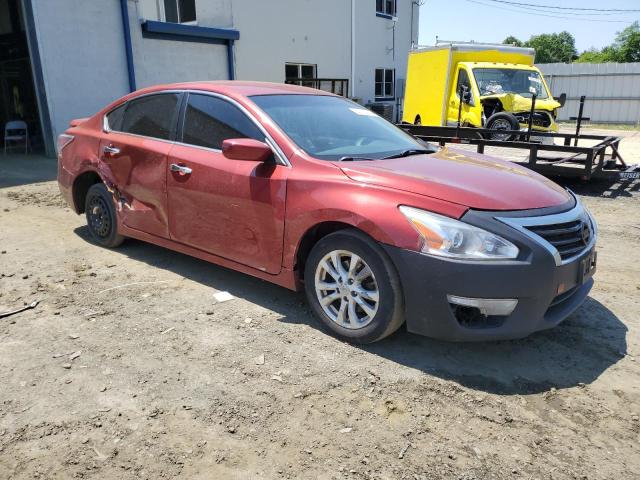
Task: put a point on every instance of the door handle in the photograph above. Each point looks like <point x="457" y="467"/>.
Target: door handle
<point x="181" y="169"/>
<point x="109" y="150"/>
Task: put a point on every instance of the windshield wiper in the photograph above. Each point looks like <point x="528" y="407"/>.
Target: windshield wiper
<point x="353" y="159"/>
<point x="408" y="153"/>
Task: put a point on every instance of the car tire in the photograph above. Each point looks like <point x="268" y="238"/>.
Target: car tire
<point x="357" y="314"/>
<point x="502" y="121"/>
<point x="101" y="216"/>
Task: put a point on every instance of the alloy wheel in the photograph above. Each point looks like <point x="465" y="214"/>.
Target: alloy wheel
<point x="346" y="289"/>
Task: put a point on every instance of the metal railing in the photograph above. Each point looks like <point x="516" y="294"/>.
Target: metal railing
<point x="339" y="86"/>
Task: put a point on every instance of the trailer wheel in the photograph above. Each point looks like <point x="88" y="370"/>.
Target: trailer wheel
<point x="502" y="121"/>
<point x="418" y="120"/>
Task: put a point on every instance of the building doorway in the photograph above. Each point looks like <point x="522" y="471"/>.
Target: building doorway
<point x="18" y="99"/>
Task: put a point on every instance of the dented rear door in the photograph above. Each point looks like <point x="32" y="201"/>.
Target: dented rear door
<point x="134" y="161"/>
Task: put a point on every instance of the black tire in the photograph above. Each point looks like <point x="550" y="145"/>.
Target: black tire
<point x="101" y="217"/>
<point x="502" y="121"/>
<point x="389" y="315"/>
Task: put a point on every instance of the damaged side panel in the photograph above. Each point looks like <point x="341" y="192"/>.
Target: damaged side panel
<point x="136" y="177"/>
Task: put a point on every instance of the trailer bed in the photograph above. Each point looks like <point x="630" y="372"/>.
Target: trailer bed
<point x="577" y="155"/>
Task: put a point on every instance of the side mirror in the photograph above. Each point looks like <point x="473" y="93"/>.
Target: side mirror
<point x="562" y="99"/>
<point x="466" y="95"/>
<point x="246" y="149"/>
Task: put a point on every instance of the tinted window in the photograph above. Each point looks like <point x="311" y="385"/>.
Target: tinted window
<point x="151" y="116"/>
<point x="210" y="120"/>
<point x="114" y="118"/>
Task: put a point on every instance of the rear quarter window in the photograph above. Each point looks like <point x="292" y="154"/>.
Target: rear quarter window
<point x="114" y="118"/>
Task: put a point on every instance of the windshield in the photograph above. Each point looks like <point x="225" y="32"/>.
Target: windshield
<point x="333" y="128"/>
<point x="508" y="80"/>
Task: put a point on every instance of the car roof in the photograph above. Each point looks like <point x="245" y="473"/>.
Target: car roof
<point x="237" y="88"/>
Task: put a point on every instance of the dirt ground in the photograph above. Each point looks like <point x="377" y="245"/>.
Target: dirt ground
<point x="128" y="368"/>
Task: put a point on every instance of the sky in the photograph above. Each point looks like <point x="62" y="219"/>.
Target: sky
<point x="490" y="21"/>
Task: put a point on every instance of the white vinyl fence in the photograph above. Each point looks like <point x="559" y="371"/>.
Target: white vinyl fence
<point x="612" y="90"/>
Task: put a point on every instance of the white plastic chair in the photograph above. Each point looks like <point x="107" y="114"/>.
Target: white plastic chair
<point x="16" y="131"/>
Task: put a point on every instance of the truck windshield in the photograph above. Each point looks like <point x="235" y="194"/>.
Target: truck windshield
<point x="333" y="128"/>
<point x="493" y="81"/>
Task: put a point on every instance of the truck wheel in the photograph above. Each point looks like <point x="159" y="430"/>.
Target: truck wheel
<point x="353" y="287"/>
<point x="502" y="121"/>
<point x="101" y="217"/>
<point x="417" y="121"/>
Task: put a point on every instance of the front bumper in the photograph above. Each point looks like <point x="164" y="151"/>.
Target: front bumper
<point x="546" y="292"/>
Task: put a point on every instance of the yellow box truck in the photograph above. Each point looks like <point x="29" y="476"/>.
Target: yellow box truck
<point x="498" y="80"/>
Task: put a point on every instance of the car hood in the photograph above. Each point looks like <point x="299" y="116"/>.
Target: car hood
<point x="475" y="181"/>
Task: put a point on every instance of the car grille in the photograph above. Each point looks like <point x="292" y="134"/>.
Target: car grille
<point x="569" y="238"/>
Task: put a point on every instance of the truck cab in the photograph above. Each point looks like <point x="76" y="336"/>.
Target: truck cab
<point x="498" y="82"/>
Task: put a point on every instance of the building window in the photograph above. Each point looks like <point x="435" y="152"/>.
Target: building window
<point x="178" y="11"/>
<point x="386" y="8"/>
<point x="296" y="71"/>
<point x="385" y="83"/>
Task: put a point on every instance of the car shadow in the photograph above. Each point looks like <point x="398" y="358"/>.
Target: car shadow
<point x="574" y="353"/>
<point x="600" y="188"/>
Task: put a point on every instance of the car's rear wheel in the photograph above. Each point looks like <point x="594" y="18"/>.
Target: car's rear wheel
<point x="101" y="216"/>
<point x="353" y="287"/>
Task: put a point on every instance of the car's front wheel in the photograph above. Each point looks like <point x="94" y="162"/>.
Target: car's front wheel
<point x="353" y="287"/>
<point x="101" y="216"/>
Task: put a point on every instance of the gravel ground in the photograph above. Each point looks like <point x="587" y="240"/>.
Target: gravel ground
<point x="129" y="368"/>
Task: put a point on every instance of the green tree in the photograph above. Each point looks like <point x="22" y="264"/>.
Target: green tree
<point x="627" y="43"/>
<point x="550" y="47"/>
<point x="554" y="47"/>
<point x="593" y="55"/>
<point x="511" y="40"/>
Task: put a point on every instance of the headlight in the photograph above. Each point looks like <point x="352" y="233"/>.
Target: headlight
<point x="451" y="238"/>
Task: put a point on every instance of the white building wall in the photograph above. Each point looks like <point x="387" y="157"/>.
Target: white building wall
<point x="320" y="32"/>
<point x="177" y="60"/>
<point x="81" y="49"/>
<point x="382" y="43"/>
<point x="300" y="31"/>
<point x="84" y="64"/>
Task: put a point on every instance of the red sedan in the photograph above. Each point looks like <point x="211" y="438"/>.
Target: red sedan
<point x="310" y="190"/>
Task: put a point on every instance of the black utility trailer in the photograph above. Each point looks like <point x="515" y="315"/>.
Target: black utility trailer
<point x="565" y="158"/>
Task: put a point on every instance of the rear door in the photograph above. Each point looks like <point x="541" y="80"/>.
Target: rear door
<point x="232" y="208"/>
<point x="134" y="152"/>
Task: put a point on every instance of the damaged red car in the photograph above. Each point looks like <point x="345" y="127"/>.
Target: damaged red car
<point x="312" y="191"/>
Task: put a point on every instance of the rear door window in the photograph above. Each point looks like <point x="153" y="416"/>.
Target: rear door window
<point x="152" y="116"/>
<point x="208" y="121"/>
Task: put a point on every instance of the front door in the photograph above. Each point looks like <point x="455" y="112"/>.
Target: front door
<point x="462" y="80"/>
<point x="231" y="208"/>
<point x="134" y="155"/>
